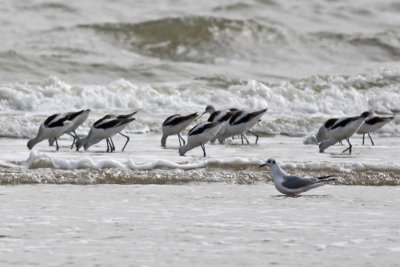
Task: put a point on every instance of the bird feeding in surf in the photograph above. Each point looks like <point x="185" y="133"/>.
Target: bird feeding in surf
<point x="373" y="123"/>
<point x="175" y="124"/>
<point x="222" y="116"/>
<point x="241" y="122"/>
<point x="199" y="135"/>
<point x="105" y="128"/>
<point x="335" y="130"/>
<point x="53" y="127"/>
<point x="291" y="185"/>
<point x="77" y="119"/>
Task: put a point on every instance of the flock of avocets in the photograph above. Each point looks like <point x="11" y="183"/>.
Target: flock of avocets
<point x="221" y="124"/>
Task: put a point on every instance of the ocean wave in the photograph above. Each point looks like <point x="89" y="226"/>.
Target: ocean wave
<point x="295" y="108"/>
<point x="379" y="46"/>
<point x="46" y="168"/>
<point x="193" y="38"/>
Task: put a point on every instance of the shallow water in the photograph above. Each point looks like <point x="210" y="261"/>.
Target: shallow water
<point x="199" y="224"/>
<point x="144" y="161"/>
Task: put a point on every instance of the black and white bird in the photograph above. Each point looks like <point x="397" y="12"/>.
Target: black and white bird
<point x="174" y="125"/>
<point x="222" y="116"/>
<point x="336" y="130"/>
<point x="52" y="127"/>
<point x="293" y="185"/>
<point x="241" y="122"/>
<point x="77" y="119"/>
<point x="373" y="123"/>
<point x="105" y="128"/>
<point x="199" y="135"/>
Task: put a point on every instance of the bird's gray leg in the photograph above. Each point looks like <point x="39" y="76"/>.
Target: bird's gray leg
<point x="204" y="150"/>
<point x="75" y="136"/>
<point x="57" y="147"/>
<point x="363" y="138"/>
<point x="108" y="145"/>
<point x="112" y="144"/>
<point x="254" y="135"/>
<point x="127" y="140"/>
<point x="180" y="143"/>
<point x="183" y="140"/>
<point x="371" y="139"/>
<point x="243" y="136"/>
<point x="350" y="146"/>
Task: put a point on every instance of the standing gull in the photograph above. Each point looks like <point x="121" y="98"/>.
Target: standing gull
<point x="174" y="125"/>
<point x="293" y="185"/>
<point x="200" y="135"/>
<point x="373" y="123"/>
<point x="77" y="119"/>
<point x="336" y="130"/>
<point x="52" y="127"/>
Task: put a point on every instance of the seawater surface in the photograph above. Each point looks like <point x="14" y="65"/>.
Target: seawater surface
<point x="306" y="61"/>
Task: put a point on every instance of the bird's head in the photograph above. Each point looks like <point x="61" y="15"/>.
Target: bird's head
<point x="270" y="162"/>
<point x="81" y="142"/>
<point x="209" y="109"/>
<point x="30" y="144"/>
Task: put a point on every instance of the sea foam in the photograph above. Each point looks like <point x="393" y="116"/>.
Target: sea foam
<point x="295" y="108"/>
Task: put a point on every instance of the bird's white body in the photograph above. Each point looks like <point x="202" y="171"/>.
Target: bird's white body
<point x="196" y="138"/>
<point x="237" y="125"/>
<point x="53" y="127"/>
<point x="75" y="123"/>
<point x="370" y="125"/>
<point x="171" y="128"/>
<point x="342" y="129"/>
<point x="100" y="131"/>
<point x="222" y="116"/>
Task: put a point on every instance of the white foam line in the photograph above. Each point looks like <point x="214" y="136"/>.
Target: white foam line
<point x="88" y="163"/>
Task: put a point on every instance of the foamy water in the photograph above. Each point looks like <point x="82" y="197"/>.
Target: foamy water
<point x="144" y="161"/>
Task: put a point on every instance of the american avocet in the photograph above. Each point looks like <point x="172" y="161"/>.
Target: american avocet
<point x="174" y="125"/>
<point x="240" y="122"/>
<point x="52" y="127"/>
<point x="373" y="123"/>
<point x="293" y="185"/>
<point x="77" y="119"/>
<point x="222" y="116"/>
<point x="105" y="128"/>
<point x="199" y="135"/>
<point x="341" y="129"/>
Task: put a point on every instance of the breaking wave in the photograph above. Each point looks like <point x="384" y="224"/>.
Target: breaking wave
<point x="46" y="168"/>
<point x="295" y="108"/>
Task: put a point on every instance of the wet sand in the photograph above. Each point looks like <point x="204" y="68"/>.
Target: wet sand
<point x="198" y="224"/>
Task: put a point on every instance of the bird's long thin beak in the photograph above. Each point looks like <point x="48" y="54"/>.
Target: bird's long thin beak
<point x="262" y="165"/>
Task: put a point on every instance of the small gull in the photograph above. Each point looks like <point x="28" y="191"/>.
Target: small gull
<point x="293" y="185"/>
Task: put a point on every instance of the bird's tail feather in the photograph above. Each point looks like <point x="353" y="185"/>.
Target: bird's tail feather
<point x="326" y="178"/>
